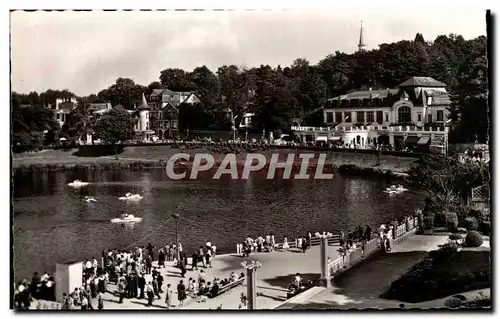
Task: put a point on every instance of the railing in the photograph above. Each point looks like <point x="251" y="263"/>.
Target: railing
<point x="401" y="128"/>
<point x="400" y="230"/>
<point x="352" y="257"/>
<point x="297" y="243"/>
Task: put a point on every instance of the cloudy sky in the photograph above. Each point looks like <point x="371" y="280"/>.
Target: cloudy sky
<point x="86" y="51"/>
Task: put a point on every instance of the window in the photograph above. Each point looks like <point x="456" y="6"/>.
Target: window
<point x="369" y="117"/>
<point x="329" y="117"/>
<point x="404" y="114"/>
<point x="58" y="116"/>
<point x="387" y="117"/>
<point x="380" y="117"/>
<point x="338" y="117"/>
<point x="440" y="116"/>
<point x="429" y="118"/>
<point x="360" y="117"/>
<point x="166" y="124"/>
<point x="419" y="117"/>
<point x="348" y="117"/>
<point x="174" y="124"/>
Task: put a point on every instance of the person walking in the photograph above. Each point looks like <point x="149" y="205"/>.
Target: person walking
<point x="150" y="293"/>
<point x="168" y="296"/>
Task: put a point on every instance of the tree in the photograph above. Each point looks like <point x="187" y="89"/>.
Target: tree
<point x="206" y="85"/>
<point x="234" y="89"/>
<point x="114" y="126"/>
<point x="277" y="113"/>
<point x="175" y="80"/>
<point x="124" y="92"/>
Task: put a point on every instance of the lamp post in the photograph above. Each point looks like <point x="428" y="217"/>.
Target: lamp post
<point x="325" y="274"/>
<point x="234" y="127"/>
<point x="251" y="285"/>
<point x="176" y="217"/>
<point x="446" y="131"/>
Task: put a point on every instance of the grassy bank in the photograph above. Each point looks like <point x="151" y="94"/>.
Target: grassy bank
<point x="144" y="157"/>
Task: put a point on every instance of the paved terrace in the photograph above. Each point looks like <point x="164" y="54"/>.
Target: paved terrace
<point x="278" y="270"/>
<point x="361" y="286"/>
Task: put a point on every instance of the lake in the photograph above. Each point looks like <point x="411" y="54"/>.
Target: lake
<point x="52" y="222"/>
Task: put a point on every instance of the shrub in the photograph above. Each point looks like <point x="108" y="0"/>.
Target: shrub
<point x="473" y="239"/>
<point x="451" y="222"/>
<point x="443" y="253"/>
<point x="485" y="228"/>
<point x="429" y="222"/>
<point x="479" y="215"/>
<point x="439" y="219"/>
<point x="453" y="302"/>
<point x="471" y="223"/>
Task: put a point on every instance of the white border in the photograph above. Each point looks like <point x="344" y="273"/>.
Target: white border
<point x="433" y="5"/>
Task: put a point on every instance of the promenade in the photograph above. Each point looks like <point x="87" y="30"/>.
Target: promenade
<point x="277" y="271"/>
<point x="361" y="286"/>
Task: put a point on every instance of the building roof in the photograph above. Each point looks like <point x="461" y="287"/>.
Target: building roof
<point x="438" y="97"/>
<point x="98" y="106"/>
<point x="422" y="81"/>
<point x="144" y="104"/>
<point x="67" y="105"/>
<point x="369" y="94"/>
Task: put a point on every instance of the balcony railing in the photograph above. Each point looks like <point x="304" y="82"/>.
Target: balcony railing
<point x="365" y="128"/>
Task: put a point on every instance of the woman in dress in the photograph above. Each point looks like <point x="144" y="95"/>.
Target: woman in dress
<point x="161" y="258"/>
<point x="181" y="292"/>
<point x="168" y="296"/>
<point x="285" y="244"/>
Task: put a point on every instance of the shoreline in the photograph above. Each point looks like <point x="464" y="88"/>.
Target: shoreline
<point x="154" y="157"/>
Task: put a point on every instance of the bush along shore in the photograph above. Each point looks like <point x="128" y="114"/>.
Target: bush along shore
<point x="352" y="170"/>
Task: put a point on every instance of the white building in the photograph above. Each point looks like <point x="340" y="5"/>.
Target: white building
<point x="413" y="114"/>
<point x="62" y="108"/>
<point x="142" y="126"/>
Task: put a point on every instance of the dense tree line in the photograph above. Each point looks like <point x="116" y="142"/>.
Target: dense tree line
<point x="282" y="95"/>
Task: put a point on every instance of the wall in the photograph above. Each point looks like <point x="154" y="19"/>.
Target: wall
<point x="67" y="277"/>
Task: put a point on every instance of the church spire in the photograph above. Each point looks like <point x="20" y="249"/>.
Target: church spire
<point x="361" y="45"/>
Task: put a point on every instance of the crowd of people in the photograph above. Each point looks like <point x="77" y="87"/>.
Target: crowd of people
<point x="268" y="244"/>
<point x="40" y="287"/>
<point x="128" y="270"/>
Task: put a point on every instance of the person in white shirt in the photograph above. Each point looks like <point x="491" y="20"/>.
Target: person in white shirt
<point x="214" y="250"/>
<point x="297" y="280"/>
<point x="45" y="277"/>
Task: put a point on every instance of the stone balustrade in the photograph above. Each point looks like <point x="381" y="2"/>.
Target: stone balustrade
<point x="366" y="128"/>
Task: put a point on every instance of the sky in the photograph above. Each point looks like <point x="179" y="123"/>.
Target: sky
<point x="86" y="52"/>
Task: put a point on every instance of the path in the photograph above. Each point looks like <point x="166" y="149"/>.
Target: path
<point x="361" y="286"/>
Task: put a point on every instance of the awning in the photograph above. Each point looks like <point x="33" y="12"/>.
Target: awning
<point x="321" y="139"/>
<point x="424" y="140"/>
<point x="334" y="138"/>
<point x="412" y="140"/>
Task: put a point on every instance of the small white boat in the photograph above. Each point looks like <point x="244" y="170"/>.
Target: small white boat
<point x="78" y="183"/>
<point x="131" y="197"/>
<point x="90" y="199"/>
<point x="127" y="218"/>
<point x="395" y="189"/>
